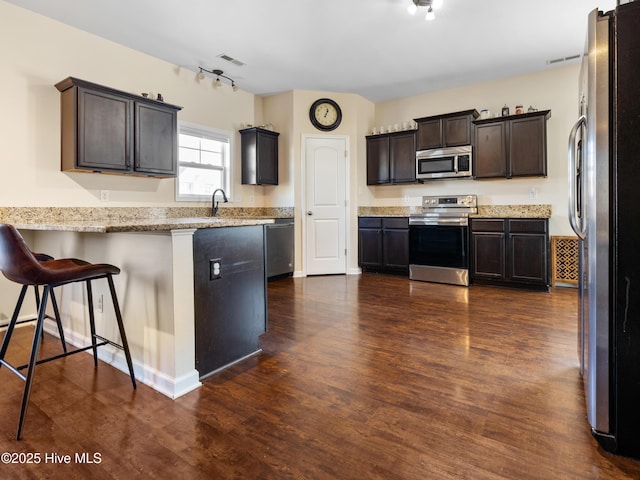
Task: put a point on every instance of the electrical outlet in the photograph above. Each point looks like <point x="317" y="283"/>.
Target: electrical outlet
<point x="99" y="303"/>
<point x="104" y="195"/>
<point x="215" y="268"/>
<point x="533" y="193"/>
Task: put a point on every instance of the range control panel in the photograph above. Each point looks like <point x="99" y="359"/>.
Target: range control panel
<point x="455" y="201"/>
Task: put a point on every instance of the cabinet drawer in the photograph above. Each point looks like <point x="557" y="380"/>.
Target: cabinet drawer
<point x="487" y="225"/>
<point x="519" y="225"/>
<point x="370" y="222"/>
<point x="395" y="222"/>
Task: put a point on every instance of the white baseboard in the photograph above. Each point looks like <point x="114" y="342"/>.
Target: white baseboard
<point x="350" y="271"/>
<point x="28" y="319"/>
<point x="159" y="381"/>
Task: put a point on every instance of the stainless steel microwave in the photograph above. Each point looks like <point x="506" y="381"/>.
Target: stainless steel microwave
<point x="452" y="162"/>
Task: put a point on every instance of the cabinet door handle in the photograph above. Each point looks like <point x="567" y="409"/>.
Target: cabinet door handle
<point x="309" y="212"/>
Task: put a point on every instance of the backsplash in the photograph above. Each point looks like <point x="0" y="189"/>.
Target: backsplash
<point x="387" y="211"/>
<point x="514" y="211"/>
<point x="487" y="211"/>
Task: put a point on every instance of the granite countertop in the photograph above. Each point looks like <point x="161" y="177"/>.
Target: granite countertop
<point x="484" y="211"/>
<point x="139" y="225"/>
<point x="125" y="219"/>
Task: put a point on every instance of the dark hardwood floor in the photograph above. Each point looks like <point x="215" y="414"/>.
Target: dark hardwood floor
<point x="361" y="377"/>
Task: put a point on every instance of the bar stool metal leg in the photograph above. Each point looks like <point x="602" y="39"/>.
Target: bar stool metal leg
<point x="56" y="312"/>
<point x="123" y="336"/>
<point x="12" y="323"/>
<point x="35" y="346"/>
<point x="92" y="322"/>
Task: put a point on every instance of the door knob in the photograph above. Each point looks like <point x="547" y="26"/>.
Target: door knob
<point x="309" y="212"/>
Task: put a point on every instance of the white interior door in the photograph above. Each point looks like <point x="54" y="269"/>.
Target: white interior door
<point x="325" y="205"/>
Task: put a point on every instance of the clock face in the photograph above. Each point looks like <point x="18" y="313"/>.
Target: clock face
<point x="325" y="114"/>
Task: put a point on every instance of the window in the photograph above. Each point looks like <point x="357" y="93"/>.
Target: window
<point x="204" y="159"/>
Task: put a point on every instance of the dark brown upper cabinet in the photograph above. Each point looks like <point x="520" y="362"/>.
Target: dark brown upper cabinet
<point x="449" y="130"/>
<point x="391" y="158"/>
<point x="259" y="152"/>
<point x="513" y="146"/>
<point x="402" y="157"/>
<point x="106" y="130"/>
<point x="155" y="140"/>
<point x="378" y="166"/>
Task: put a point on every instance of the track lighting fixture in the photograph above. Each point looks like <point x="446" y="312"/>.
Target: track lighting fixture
<point x="430" y="4"/>
<point x="217" y="82"/>
<point x="430" y="15"/>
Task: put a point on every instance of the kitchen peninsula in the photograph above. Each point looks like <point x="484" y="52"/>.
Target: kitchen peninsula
<point x="167" y="258"/>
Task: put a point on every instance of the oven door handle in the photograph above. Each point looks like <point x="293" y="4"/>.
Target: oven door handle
<point x="456" y="222"/>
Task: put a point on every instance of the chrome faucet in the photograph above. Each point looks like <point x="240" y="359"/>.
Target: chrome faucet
<point x="214" y="204"/>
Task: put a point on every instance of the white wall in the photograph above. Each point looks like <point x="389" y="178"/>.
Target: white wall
<point x="554" y="89"/>
<point x="278" y="110"/>
<point x="37" y="53"/>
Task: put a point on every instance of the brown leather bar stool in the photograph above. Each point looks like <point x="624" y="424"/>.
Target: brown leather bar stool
<point x="19" y="265"/>
<point x="41" y="257"/>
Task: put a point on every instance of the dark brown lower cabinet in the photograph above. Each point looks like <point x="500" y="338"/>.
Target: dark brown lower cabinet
<point x="383" y="244"/>
<point x="510" y="252"/>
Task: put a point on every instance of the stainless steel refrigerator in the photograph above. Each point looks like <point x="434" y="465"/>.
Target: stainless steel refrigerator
<point x="604" y="211"/>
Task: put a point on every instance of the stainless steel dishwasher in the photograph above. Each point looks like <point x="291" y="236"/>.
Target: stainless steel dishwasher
<point x="279" y="249"/>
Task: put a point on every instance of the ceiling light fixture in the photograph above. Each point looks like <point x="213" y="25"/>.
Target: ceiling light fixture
<point x="430" y="15"/>
<point x="430" y="4"/>
<point x="218" y="73"/>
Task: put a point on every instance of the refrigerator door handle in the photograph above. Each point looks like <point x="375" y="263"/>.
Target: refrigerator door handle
<point x="576" y="225"/>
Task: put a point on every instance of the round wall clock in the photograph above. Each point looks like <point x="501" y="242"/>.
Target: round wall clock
<point x="325" y="114"/>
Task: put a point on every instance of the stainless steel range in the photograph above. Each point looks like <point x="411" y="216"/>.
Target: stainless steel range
<point x="439" y="239"/>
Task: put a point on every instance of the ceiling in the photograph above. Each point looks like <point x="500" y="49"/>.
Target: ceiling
<point x="373" y="48"/>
